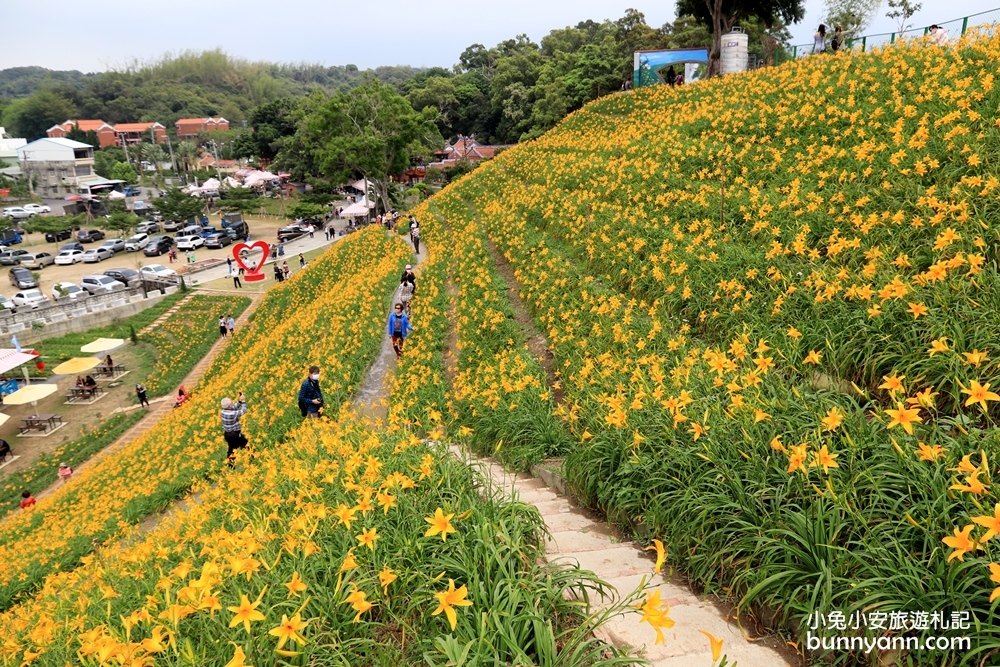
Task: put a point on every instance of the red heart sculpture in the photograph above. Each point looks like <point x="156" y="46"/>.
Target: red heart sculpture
<point x="239" y="247"/>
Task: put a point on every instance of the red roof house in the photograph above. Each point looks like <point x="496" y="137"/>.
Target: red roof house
<point x="188" y="128"/>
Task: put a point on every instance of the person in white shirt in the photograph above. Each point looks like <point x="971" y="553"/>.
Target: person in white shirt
<point x="938" y="35"/>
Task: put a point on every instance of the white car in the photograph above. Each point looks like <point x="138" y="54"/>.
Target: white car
<point x="157" y="271"/>
<point x="69" y="257"/>
<point x="6" y="303"/>
<point x="189" y="242"/>
<point x="137" y="243"/>
<point x="33" y="298"/>
<point x="71" y="290"/>
<point x="37" y="209"/>
<point x="16" y="213"/>
<point x="99" y="283"/>
<point x="94" y="255"/>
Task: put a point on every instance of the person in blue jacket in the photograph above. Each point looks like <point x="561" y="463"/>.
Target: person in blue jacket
<point x="310" y="394"/>
<point x="398" y="328"/>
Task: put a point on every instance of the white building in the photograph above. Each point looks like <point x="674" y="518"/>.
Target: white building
<point x="8" y="154"/>
<point x="59" y="167"/>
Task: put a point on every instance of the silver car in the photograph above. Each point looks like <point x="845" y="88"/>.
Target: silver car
<point x="114" y="245"/>
<point x="98" y="283"/>
<point x="97" y="254"/>
<point x="37" y="260"/>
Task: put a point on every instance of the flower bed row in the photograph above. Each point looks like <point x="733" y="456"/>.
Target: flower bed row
<point x="339" y="327"/>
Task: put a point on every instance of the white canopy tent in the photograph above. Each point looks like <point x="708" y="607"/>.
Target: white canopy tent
<point x="358" y="209"/>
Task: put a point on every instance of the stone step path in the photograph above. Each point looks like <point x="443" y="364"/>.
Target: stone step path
<point x="164" y="405"/>
<point x="579" y="539"/>
<point x="163" y="318"/>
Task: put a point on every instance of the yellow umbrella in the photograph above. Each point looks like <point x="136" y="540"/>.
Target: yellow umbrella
<point x="102" y="345"/>
<point x="30" y="394"/>
<point x="76" y="365"/>
<point x="3" y="418"/>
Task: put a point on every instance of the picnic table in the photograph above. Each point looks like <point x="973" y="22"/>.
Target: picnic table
<point x="76" y="392"/>
<point x="40" y="422"/>
<point x="110" y="371"/>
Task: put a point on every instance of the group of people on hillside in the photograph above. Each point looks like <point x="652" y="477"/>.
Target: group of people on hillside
<point x="938" y="36"/>
<point x="227" y="326"/>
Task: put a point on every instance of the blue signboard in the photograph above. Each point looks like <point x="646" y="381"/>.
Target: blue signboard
<point x="8" y="387"/>
<point x="682" y="65"/>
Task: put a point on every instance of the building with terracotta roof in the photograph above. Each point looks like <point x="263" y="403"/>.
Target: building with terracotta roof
<point x="189" y="128"/>
<point x="466" y="148"/>
<point x="105" y="132"/>
<point x="134" y="133"/>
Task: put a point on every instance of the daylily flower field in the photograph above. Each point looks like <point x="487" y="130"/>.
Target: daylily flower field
<point x="793" y="387"/>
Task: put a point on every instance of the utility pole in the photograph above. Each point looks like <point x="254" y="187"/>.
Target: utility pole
<point x="170" y="149"/>
<point x="215" y="152"/>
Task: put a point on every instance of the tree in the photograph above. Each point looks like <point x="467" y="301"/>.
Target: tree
<point x="270" y="125"/>
<point x="853" y="16"/>
<point x="902" y="12"/>
<point x="179" y="206"/>
<point x="237" y="200"/>
<point x="306" y="211"/>
<point x="31" y="116"/>
<point x="367" y="132"/>
<point x="121" y="221"/>
<point x="122" y="171"/>
<point x="722" y="15"/>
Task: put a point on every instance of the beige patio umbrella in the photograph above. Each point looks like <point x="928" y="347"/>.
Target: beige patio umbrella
<point x="76" y="365"/>
<point x="3" y="418"/>
<point x="32" y="393"/>
<point x="102" y="345"/>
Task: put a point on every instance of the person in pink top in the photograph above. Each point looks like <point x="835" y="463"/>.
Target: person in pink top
<point x="65" y="472"/>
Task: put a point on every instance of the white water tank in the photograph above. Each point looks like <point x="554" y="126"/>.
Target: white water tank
<point x="734" y="51"/>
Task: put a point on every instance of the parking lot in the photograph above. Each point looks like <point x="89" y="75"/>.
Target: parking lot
<point x="265" y="230"/>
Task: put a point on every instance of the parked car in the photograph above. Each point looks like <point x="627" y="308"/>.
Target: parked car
<point x="173" y="225"/>
<point x="158" y="245"/>
<point x="97" y="255"/>
<point x="237" y="229"/>
<point x="189" y="242"/>
<point x="190" y="230"/>
<point x="67" y="257"/>
<point x="124" y="276"/>
<point x="72" y="245"/>
<point x="218" y="241"/>
<point x="292" y="232"/>
<point x="21" y="278"/>
<point x="16" y="213"/>
<point x="55" y="237"/>
<point x="71" y="290"/>
<point x="32" y="298"/>
<point x="12" y="257"/>
<point x="137" y="242"/>
<point x="114" y="245"/>
<point x="89" y="235"/>
<point x="9" y="237"/>
<point x="157" y="271"/>
<point x="147" y="228"/>
<point x="208" y="231"/>
<point x="37" y="260"/>
<point x="6" y="303"/>
<point x="131" y="190"/>
<point x="98" y="283"/>
<point x="37" y="209"/>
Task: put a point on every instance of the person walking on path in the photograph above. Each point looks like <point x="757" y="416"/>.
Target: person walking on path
<point x="223" y="329"/>
<point x="232" y="432"/>
<point x="311" y="395"/>
<point x="409" y="277"/>
<point x="398" y="328"/>
<point x="231" y="325"/>
<point x="236" y="281"/>
<point x="302" y="261"/>
<point x="229" y="264"/>
<point x="140" y="393"/>
<point x="405" y="295"/>
<point x="65" y="472"/>
<point x="415" y="236"/>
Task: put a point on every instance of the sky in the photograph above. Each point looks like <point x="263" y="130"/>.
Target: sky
<point x="421" y="33"/>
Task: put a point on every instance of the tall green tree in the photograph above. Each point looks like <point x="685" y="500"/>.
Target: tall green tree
<point x="122" y="171"/>
<point x="722" y="15"/>
<point x="369" y="132"/>
<point x="31" y="116"/>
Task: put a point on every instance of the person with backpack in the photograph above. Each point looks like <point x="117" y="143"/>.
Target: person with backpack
<point x="406" y="295"/>
<point x="409" y="277"/>
<point x="311" y="395"/>
<point x="415" y="235"/>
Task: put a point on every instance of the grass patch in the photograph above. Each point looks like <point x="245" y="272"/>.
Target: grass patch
<point x="43" y="472"/>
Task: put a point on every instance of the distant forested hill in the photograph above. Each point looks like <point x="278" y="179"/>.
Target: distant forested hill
<point x="189" y="84"/>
